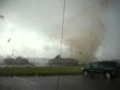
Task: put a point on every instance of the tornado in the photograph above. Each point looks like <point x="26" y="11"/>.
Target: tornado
<point x="85" y="31"/>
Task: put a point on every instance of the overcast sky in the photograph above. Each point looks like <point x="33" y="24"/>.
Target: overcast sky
<point x="33" y="27"/>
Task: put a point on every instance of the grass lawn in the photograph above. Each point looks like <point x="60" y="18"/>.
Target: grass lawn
<point x="40" y="71"/>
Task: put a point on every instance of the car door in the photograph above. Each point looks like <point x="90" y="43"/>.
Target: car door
<point x="100" y="68"/>
<point x="93" y="67"/>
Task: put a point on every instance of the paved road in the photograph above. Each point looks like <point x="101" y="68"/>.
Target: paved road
<point x="66" y="83"/>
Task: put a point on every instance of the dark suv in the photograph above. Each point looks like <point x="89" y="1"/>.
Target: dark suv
<point x="107" y="68"/>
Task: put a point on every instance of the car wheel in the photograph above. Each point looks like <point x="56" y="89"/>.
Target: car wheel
<point x="86" y="73"/>
<point x="107" y="75"/>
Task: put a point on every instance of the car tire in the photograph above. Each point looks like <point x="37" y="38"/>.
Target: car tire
<point x="108" y="75"/>
<point x="85" y="73"/>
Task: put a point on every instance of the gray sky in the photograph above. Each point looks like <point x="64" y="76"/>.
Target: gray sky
<point x="28" y="24"/>
<point x="34" y="27"/>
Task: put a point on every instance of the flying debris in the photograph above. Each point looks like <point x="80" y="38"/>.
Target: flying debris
<point x="1" y="16"/>
<point x="9" y="40"/>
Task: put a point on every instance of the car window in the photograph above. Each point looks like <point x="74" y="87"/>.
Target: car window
<point x="117" y="64"/>
<point x="109" y="64"/>
<point x="94" y="64"/>
<point x="100" y="65"/>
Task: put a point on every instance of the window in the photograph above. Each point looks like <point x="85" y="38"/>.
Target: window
<point x="101" y="65"/>
<point x="94" y="64"/>
<point x="117" y="64"/>
<point x="109" y="64"/>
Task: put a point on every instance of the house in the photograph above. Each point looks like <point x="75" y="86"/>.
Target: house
<point x="63" y="61"/>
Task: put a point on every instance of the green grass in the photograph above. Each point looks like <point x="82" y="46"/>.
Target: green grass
<point x="40" y="71"/>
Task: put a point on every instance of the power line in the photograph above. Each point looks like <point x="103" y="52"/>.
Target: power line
<point x="61" y="46"/>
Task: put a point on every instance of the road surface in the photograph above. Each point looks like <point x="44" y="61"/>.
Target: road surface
<point x="65" y="83"/>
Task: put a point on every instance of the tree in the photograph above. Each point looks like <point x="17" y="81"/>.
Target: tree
<point x="20" y="60"/>
<point x="57" y="57"/>
<point x="9" y="61"/>
<point x="17" y="61"/>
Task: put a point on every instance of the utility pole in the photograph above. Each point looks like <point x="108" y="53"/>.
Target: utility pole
<point x="34" y="59"/>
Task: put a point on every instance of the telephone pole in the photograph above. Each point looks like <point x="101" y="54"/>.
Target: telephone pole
<point x="34" y="59"/>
